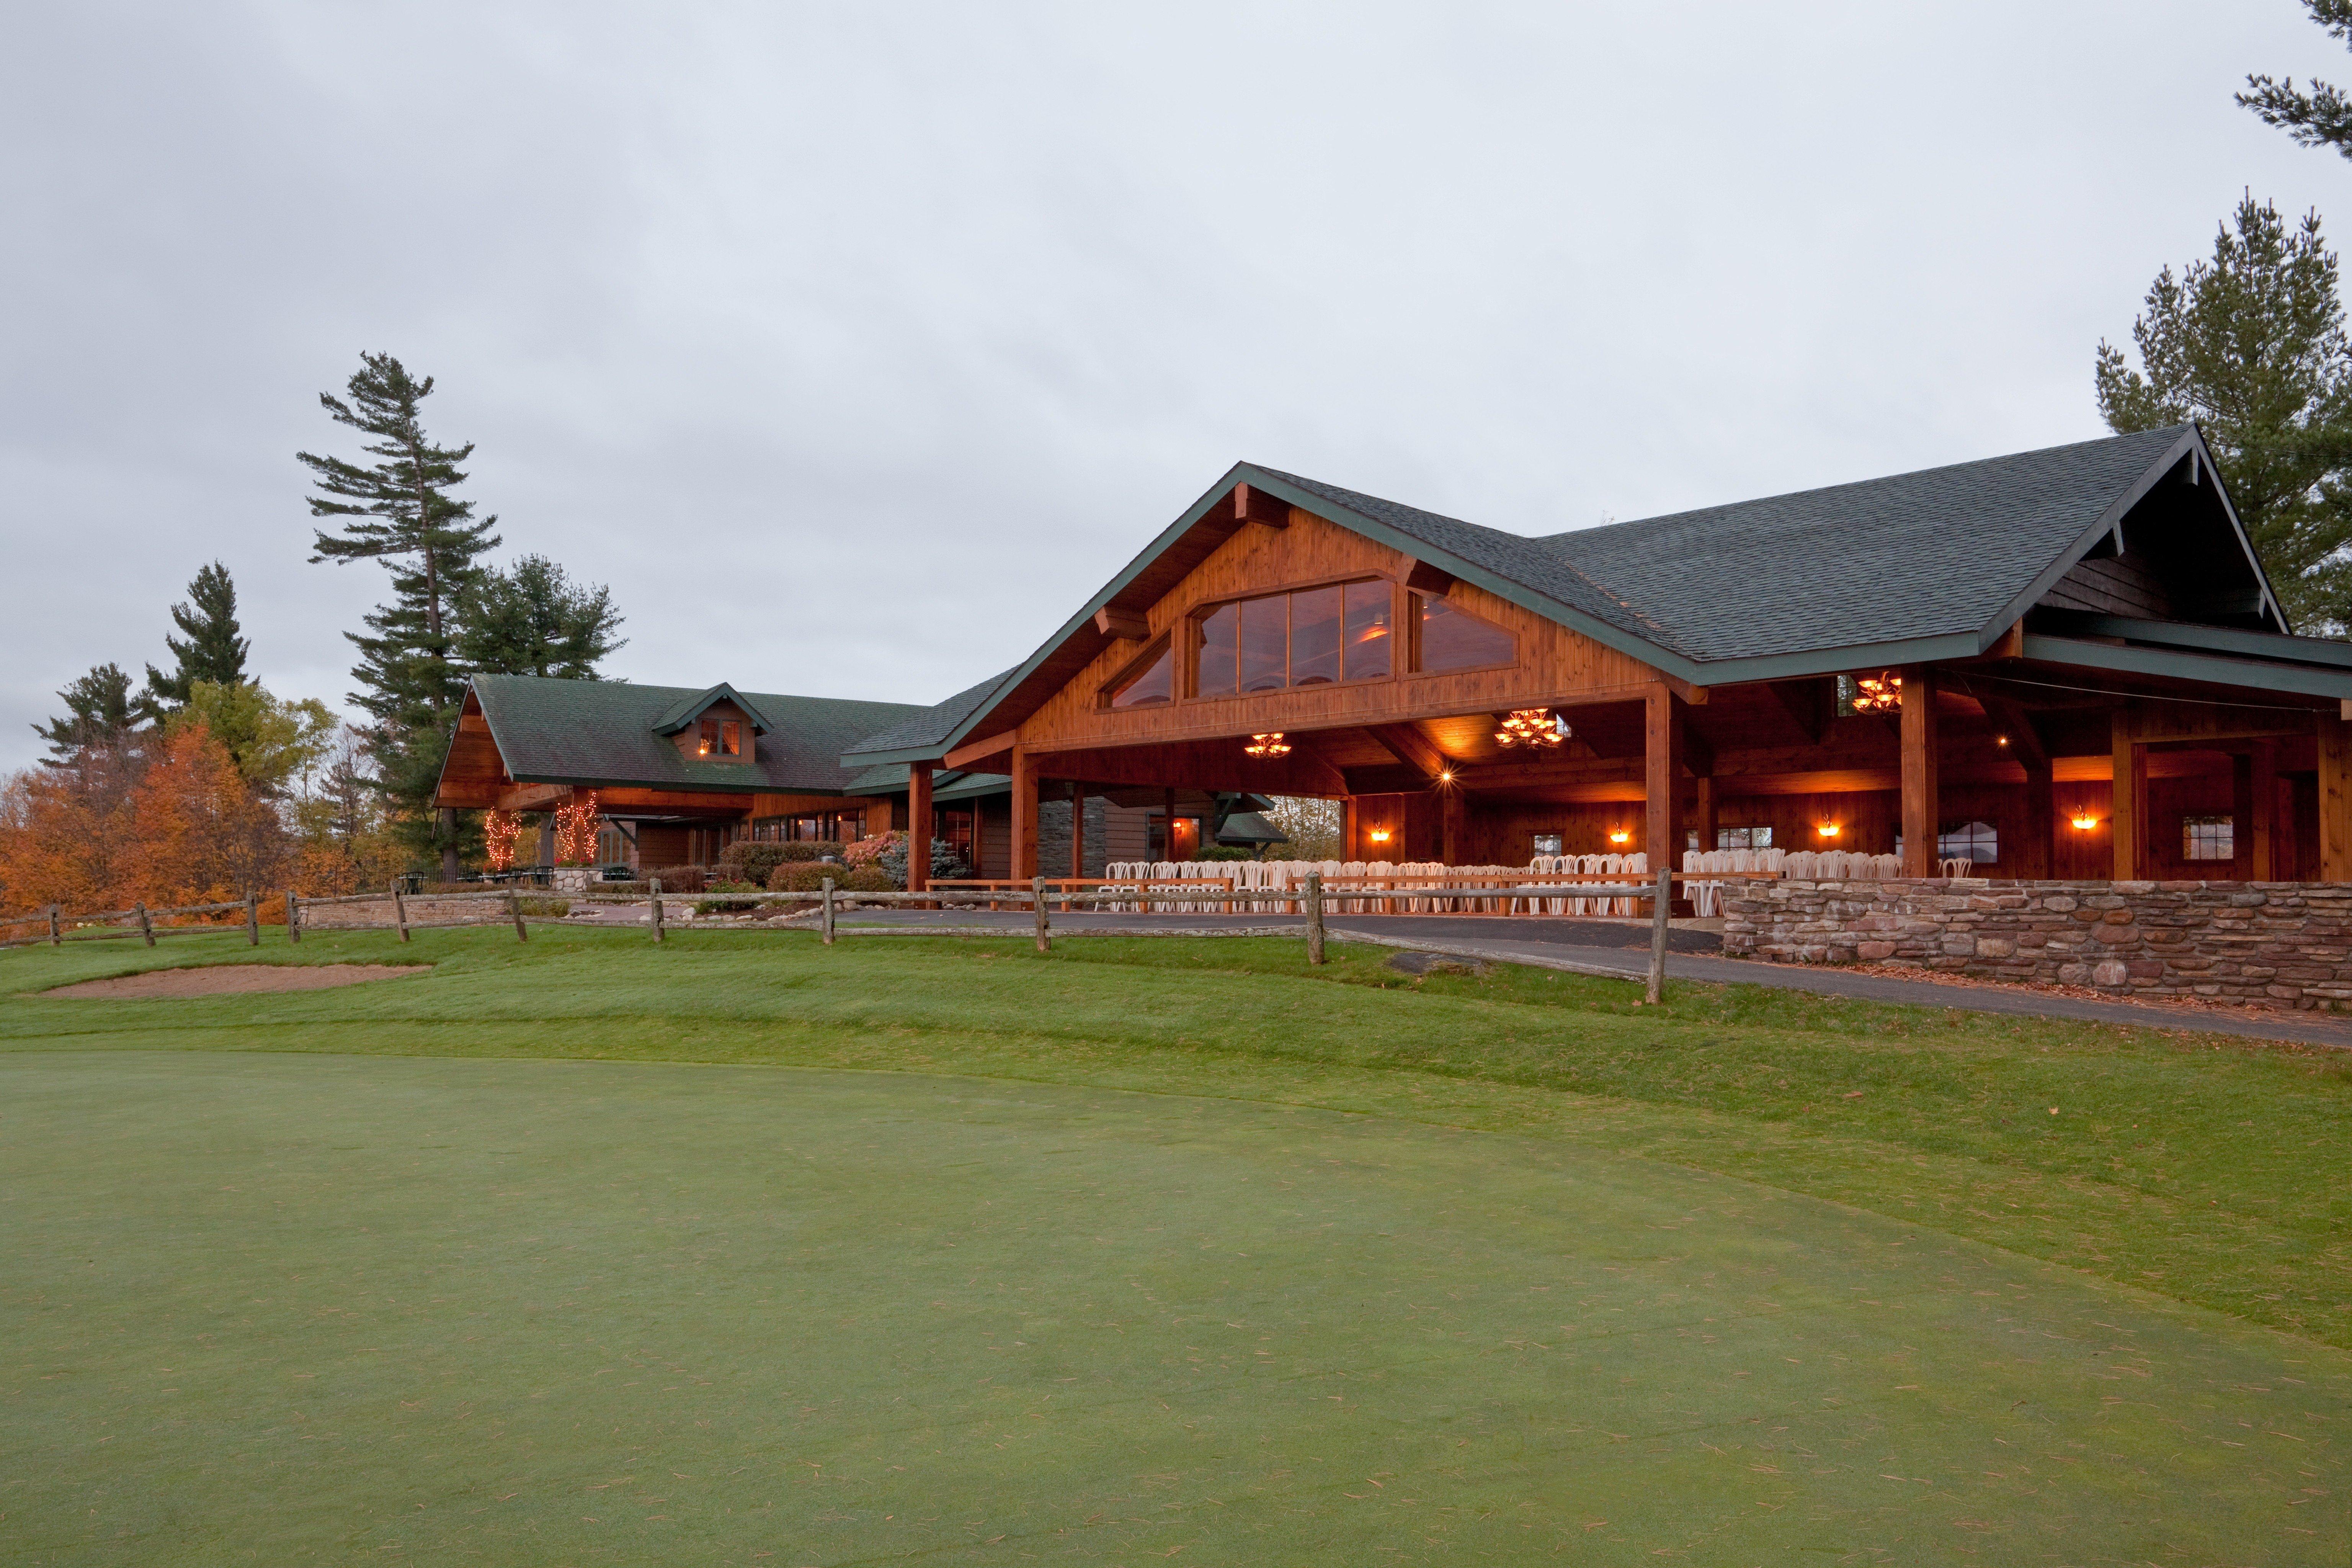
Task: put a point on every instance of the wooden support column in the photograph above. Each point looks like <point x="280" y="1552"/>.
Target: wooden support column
<point x="2262" y="822"/>
<point x="1348" y="851"/>
<point x="1077" y="829"/>
<point x="2040" y="848"/>
<point x="1662" y="755"/>
<point x="1168" y="818"/>
<point x="1025" y="815"/>
<point x="1452" y="824"/>
<point x="2334" y="799"/>
<point x="2241" y="816"/>
<point x="919" y="826"/>
<point x="1706" y="812"/>
<point x="1919" y="819"/>
<point x="2128" y="824"/>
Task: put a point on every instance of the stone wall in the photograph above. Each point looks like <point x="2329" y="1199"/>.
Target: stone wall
<point x="2278" y="945"/>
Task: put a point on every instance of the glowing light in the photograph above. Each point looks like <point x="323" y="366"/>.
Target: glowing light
<point x="2085" y="823"/>
<point x="1379" y="836"/>
<point x="1827" y="829"/>
<point x="1446" y="777"/>
<point x="1535" y="728"/>
<point x="1880" y="693"/>
<point x="2002" y="740"/>
<point x="1620" y="835"/>
<point x="575" y="829"/>
<point x="1268" y="745"/>
<point x="499" y="831"/>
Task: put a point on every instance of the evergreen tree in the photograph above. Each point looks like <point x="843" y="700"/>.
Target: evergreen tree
<point x="404" y="513"/>
<point x="2252" y="346"/>
<point x="534" y="620"/>
<point x="2322" y="117"/>
<point x="100" y="714"/>
<point x="213" y="649"/>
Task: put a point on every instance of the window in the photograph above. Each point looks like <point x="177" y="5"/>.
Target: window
<point x="1974" y="841"/>
<point x="2209" y="839"/>
<point x="1548" y="843"/>
<point x="1150" y="682"/>
<point x="1453" y="638"/>
<point x="1743" y="838"/>
<point x="1315" y="636"/>
<point x="720" y="737"/>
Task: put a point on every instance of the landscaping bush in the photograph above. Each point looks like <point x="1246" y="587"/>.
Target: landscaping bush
<point x="751" y="859"/>
<point x="677" y="879"/>
<point x="553" y="909"/>
<point x="727" y="906"/>
<point x="810" y="849"/>
<point x="869" y="879"/>
<point x="806" y="875"/>
<point x="945" y="862"/>
<point x="866" y="851"/>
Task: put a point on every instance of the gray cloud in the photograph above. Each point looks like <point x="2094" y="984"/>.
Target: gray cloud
<point x="854" y="346"/>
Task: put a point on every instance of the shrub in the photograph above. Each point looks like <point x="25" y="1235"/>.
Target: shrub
<point x="677" y="879"/>
<point x="866" y="851"/>
<point x="726" y="906"/>
<point x="945" y="863"/>
<point x="806" y="875"/>
<point x="553" y="909"/>
<point x="751" y="859"/>
<point x="869" y="879"/>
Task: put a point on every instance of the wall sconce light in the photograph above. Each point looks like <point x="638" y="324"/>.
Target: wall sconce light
<point x="1620" y="835"/>
<point x="2085" y="821"/>
<point x="1827" y="829"/>
<point x="1378" y="835"/>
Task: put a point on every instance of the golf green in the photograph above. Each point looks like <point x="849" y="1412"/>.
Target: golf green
<point x="284" y="1309"/>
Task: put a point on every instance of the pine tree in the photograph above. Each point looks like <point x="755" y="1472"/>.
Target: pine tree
<point x="213" y="651"/>
<point x="534" y="620"/>
<point x="2252" y="346"/>
<point x="2322" y="117"/>
<point x="100" y="714"/>
<point x="405" y="514"/>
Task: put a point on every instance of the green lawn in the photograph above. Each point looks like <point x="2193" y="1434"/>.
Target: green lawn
<point x="1145" y="1248"/>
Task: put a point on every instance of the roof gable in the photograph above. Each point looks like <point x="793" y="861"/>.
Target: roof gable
<point x="687" y="710"/>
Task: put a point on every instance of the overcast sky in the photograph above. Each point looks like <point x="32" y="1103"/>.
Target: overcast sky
<point x="856" y="345"/>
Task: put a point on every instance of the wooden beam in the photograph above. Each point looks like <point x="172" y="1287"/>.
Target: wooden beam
<point x="539" y="797"/>
<point x="2009" y="718"/>
<point x="1695" y="696"/>
<point x="919" y="826"/>
<point x="1423" y="578"/>
<point x="1025" y="815"/>
<point x="1806" y="703"/>
<point x="2129" y="794"/>
<point x="1918" y="726"/>
<point x="1698" y="752"/>
<point x="2334" y="800"/>
<point x="1410" y="747"/>
<point x="1706" y="816"/>
<point x="2261" y="818"/>
<point x="1077" y="829"/>
<point x="1663" y="734"/>
<point x="972" y="751"/>
<point x="2011" y="643"/>
<point x="2041" y="822"/>
<point x="1126" y="626"/>
<point x="1305" y="756"/>
<point x="1257" y="506"/>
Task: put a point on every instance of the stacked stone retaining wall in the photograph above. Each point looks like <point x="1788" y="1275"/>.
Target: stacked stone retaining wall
<point x="2277" y="945"/>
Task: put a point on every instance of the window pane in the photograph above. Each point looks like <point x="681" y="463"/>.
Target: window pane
<point x="1266" y="625"/>
<point x="1220" y="634"/>
<point x="1974" y="841"/>
<point x="1369" y="607"/>
<point x="1153" y="685"/>
<point x="734" y="732"/>
<point x="1452" y="638"/>
<point x="1315" y="636"/>
<point x="2208" y="838"/>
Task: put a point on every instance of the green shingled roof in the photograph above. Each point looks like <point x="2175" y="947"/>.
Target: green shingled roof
<point x="603" y="733"/>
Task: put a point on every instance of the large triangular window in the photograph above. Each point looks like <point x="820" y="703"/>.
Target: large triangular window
<point x="1446" y="637"/>
<point x="1148" y="682"/>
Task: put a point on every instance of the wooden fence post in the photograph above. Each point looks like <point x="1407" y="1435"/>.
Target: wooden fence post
<point x="57" y="928"/>
<point x="828" y="911"/>
<point x="1314" y="917"/>
<point x="293" y="917"/>
<point x="252" y="918"/>
<point x="1664" y="905"/>
<point x="1037" y="897"/>
<point x="514" y="908"/>
<point x="659" y="935"/>
<point x="400" y="912"/>
<point x="146" y="926"/>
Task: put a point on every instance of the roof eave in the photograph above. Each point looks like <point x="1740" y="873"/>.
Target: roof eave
<point x="2211" y="670"/>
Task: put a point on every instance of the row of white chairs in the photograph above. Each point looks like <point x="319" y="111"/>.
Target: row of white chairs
<point x="1289" y="877"/>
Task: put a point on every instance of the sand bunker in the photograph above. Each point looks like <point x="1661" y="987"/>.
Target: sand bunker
<point x="236" y="979"/>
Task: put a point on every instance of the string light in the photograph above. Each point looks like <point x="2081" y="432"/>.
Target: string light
<point x="1535" y="728"/>
<point x="575" y="829"/>
<point x="499" y="831"/>
<point x="1268" y="745"/>
<point x="1880" y="693"/>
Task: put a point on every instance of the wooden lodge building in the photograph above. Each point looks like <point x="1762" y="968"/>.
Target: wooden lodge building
<point x="2063" y="663"/>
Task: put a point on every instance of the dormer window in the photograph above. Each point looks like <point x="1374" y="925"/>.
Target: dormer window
<point x="720" y="737"/>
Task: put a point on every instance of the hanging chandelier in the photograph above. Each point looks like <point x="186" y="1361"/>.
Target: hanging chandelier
<point x="1534" y="727"/>
<point x="1880" y="693"/>
<point x="1268" y="745"/>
